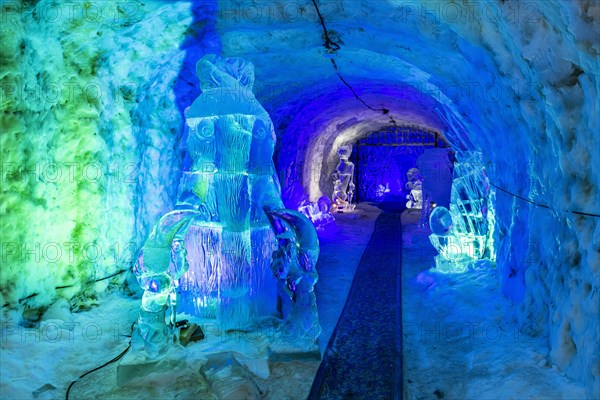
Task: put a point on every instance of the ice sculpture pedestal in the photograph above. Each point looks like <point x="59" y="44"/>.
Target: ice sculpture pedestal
<point x="227" y="359"/>
<point x="135" y="367"/>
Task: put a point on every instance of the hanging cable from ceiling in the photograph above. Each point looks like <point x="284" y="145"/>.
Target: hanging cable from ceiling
<point x="331" y="47"/>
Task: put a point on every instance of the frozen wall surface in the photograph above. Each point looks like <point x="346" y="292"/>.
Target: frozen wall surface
<point x="516" y="81"/>
<point x="90" y="94"/>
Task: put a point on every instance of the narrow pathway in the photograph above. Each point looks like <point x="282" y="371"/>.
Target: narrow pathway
<point x="363" y="359"/>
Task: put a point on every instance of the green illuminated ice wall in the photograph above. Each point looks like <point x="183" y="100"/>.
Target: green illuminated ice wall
<point x="90" y="126"/>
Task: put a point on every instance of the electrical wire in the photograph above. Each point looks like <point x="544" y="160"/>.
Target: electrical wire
<point x="68" y="286"/>
<point x="117" y="358"/>
<point x="331" y="47"/>
<point x="543" y="205"/>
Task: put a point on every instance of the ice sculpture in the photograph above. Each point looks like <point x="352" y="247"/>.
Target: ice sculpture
<point x="161" y="262"/>
<point x="230" y="144"/>
<point x="464" y="233"/>
<point x="381" y="191"/>
<point x="414" y="184"/>
<point x="318" y="213"/>
<point x="228" y="238"/>
<point x="294" y="265"/>
<point x="440" y="221"/>
<point x="343" y="181"/>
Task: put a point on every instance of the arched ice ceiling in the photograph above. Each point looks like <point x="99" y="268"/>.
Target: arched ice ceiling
<point x="476" y="71"/>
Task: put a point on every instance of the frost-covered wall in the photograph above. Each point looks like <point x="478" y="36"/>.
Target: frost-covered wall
<point x="517" y="81"/>
<point x="90" y="136"/>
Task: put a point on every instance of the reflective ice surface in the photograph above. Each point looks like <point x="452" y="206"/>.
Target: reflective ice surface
<point x="230" y="143"/>
<point x="465" y="232"/>
<point x="160" y="264"/>
<point x="294" y="264"/>
<point x="216" y="248"/>
<point x="343" y="181"/>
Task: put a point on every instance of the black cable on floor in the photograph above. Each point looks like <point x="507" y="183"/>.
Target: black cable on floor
<point x="117" y="358"/>
<point x="68" y="286"/>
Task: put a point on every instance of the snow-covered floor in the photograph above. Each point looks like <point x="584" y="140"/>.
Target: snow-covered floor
<point x="457" y="342"/>
<point x="41" y="361"/>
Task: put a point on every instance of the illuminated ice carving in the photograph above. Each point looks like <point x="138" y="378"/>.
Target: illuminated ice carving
<point x="414" y="184"/>
<point x="343" y="182"/>
<point x="294" y="265"/>
<point x="318" y="213"/>
<point x="381" y="191"/>
<point x="230" y="143"/>
<point x="464" y="233"/>
<point x="440" y="221"/>
<point x="219" y="216"/>
<point x="160" y="264"/>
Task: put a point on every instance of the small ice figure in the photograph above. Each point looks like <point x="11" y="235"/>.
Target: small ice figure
<point x="318" y="213"/>
<point x="294" y="266"/>
<point x="161" y="262"/>
<point x="440" y="221"/>
<point x="381" y="191"/>
<point x="415" y="185"/>
<point x="343" y="181"/>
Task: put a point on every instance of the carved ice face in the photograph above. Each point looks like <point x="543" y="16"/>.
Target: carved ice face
<point x="344" y="152"/>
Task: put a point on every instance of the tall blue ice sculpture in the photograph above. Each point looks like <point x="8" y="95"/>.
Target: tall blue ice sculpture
<point x="464" y="233"/>
<point x="294" y="265"/>
<point x="230" y="142"/>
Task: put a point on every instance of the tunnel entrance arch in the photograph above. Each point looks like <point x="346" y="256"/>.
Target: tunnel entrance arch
<point x="383" y="157"/>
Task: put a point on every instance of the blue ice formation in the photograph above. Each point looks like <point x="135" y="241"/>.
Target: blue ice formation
<point x="230" y="141"/>
<point x="224" y="269"/>
<point x="294" y="265"/>
<point x="464" y="233"/>
<point x="160" y="264"/>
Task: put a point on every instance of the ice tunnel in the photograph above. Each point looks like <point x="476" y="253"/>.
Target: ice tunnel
<point x="203" y="138"/>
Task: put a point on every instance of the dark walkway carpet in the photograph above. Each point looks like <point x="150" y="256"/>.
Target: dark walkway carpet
<point x="363" y="359"/>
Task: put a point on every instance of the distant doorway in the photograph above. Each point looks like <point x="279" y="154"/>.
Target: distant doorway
<point x="383" y="158"/>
